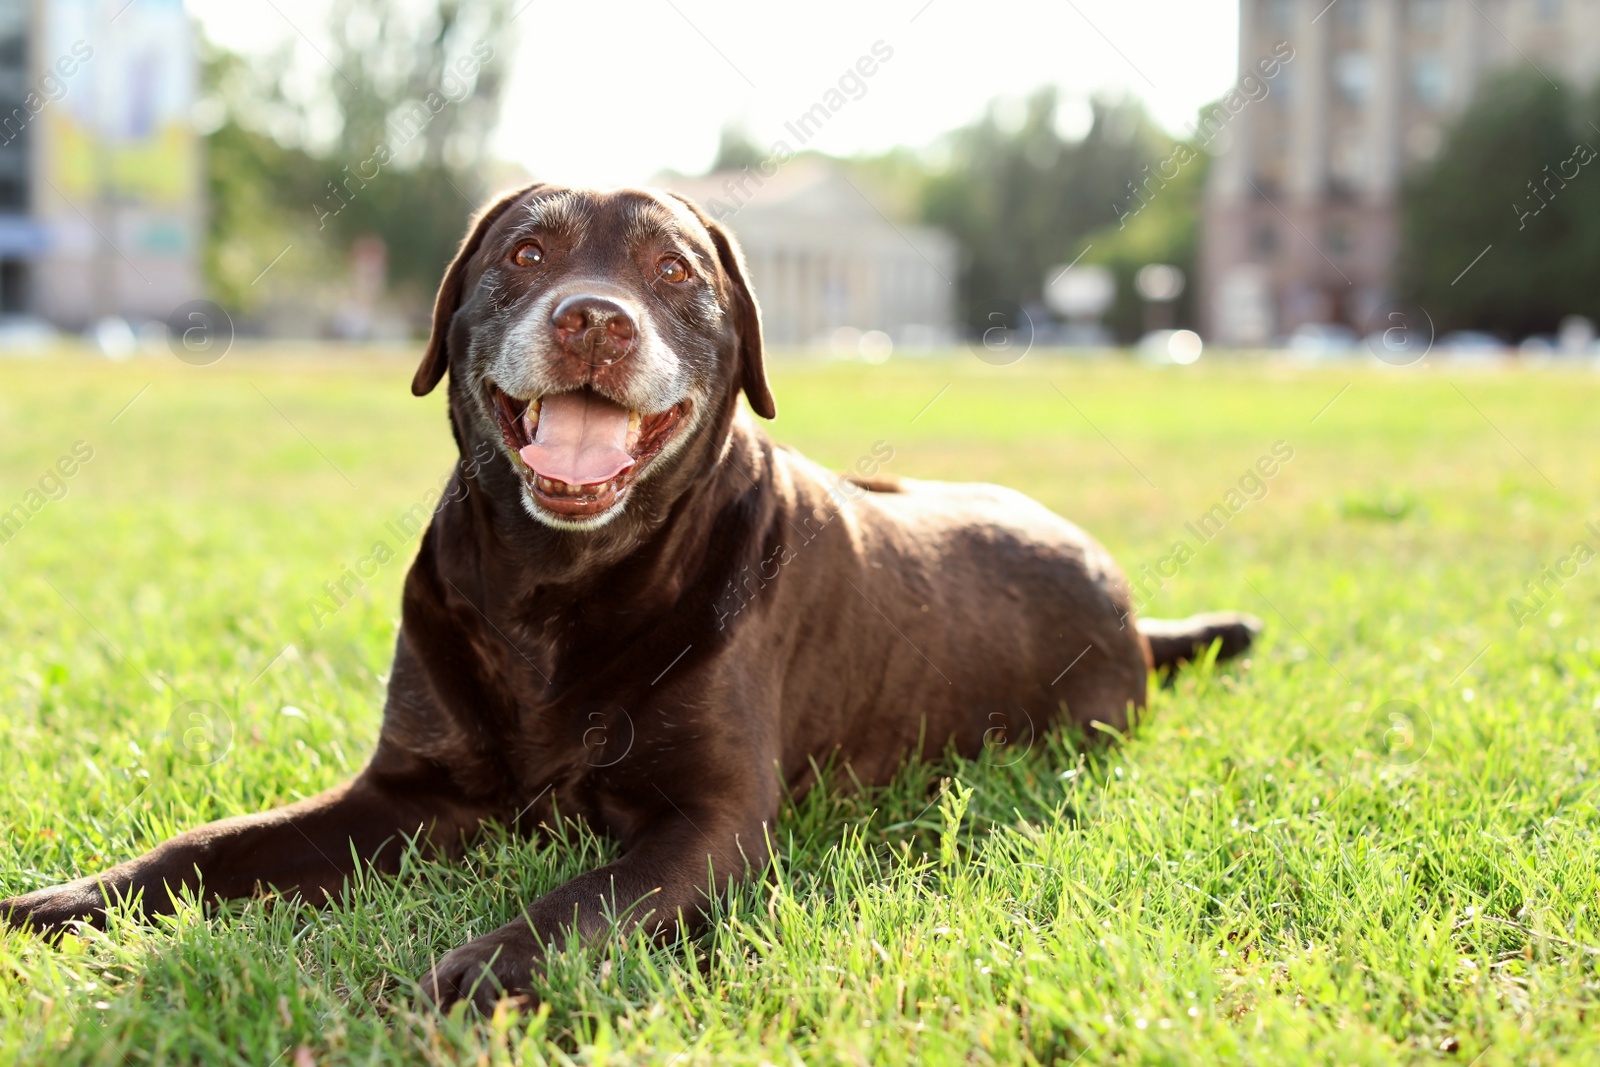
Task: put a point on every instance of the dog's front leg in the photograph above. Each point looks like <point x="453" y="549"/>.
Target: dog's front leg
<point x="671" y="871"/>
<point x="308" y="847"/>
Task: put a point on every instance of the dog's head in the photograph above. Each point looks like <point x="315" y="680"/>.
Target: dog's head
<point x="594" y="337"/>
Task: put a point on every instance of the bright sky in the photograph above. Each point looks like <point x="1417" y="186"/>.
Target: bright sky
<point x="611" y="92"/>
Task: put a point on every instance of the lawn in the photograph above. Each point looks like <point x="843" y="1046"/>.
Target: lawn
<point x="1372" y="842"/>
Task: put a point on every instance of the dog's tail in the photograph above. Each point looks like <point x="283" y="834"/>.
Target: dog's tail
<point x="1177" y="641"/>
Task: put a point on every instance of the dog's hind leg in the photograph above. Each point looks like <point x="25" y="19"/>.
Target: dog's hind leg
<point x="1174" y="642"/>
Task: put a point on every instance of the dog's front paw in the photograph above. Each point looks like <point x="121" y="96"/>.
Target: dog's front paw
<point x="484" y="971"/>
<point x="49" y="911"/>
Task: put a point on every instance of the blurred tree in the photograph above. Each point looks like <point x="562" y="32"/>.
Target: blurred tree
<point x="894" y="181"/>
<point x="1020" y="196"/>
<point x="1512" y="174"/>
<point x="394" y="59"/>
<point x="382" y="131"/>
<point x="736" y="149"/>
<point x="1163" y="227"/>
<point x="417" y="85"/>
<point x="257" y="187"/>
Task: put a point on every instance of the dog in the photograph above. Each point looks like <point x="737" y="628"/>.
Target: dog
<point x="640" y="612"/>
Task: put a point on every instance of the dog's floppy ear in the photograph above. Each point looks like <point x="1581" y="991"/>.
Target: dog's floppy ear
<point x="436" y="357"/>
<point x="747" y="317"/>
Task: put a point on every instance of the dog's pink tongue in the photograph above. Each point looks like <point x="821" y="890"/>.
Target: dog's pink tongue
<point x="580" y="440"/>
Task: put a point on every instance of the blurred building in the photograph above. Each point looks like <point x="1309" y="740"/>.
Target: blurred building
<point x="100" y="181"/>
<point x="1301" y="218"/>
<point x="825" y="262"/>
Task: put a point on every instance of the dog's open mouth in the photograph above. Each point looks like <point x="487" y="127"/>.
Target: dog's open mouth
<point x="580" y="452"/>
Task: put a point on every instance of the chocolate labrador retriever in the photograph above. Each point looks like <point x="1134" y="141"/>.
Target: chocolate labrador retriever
<point x="644" y="613"/>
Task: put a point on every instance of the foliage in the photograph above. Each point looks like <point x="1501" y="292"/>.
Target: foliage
<point x="255" y="185"/>
<point x="1021" y="199"/>
<point x="1165" y="230"/>
<point x="736" y="149"/>
<point x="1522" y="132"/>
<point x="382" y="132"/>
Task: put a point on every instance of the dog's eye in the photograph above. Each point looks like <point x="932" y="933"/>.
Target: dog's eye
<point x="528" y="254"/>
<point x="672" y="269"/>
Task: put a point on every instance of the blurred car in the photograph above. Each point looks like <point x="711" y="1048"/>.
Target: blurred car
<point x="1170" y="346"/>
<point x="113" y="337"/>
<point x="25" y="335"/>
<point x="1320" y="341"/>
<point x="1472" y="346"/>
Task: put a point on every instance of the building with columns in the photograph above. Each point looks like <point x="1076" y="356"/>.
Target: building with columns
<point x="826" y="261"/>
<point x="1301" y="217"/>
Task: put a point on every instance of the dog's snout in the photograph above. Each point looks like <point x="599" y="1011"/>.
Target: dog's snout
<point x="596" y="328"/>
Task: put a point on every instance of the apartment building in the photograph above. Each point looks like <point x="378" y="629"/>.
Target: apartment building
<point x="1301" y="219"/>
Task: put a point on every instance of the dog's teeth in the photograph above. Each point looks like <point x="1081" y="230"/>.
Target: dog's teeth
<point x="530" y="418"/>
<point x="554" y="487"/>
<point x="633" y="431"/>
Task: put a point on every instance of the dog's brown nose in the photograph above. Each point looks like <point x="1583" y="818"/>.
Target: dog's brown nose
<point x="594" y="328"/>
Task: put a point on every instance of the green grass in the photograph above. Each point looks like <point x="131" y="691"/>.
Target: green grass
<point x="1271" y="869"/>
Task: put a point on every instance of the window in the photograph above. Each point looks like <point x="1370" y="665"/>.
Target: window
<point x="14" y="175"/>
<point x="1423" y="141"/>
<point x="1352" y="73"/>
<point x="1426" y="14"/>
<point x="14" y="115"/>
<point x="1549" y="10"/>
<point x="1265" y="240"/>
<point x="13" y="286"/>
<point x="1338" y="239"/>
<point x="1280" y="14"/>
<point x="1348" y="161"/>
<point x="1282" y="88"/>
<point x="1351" y="13"/>
<point x="1430" y="80"/>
